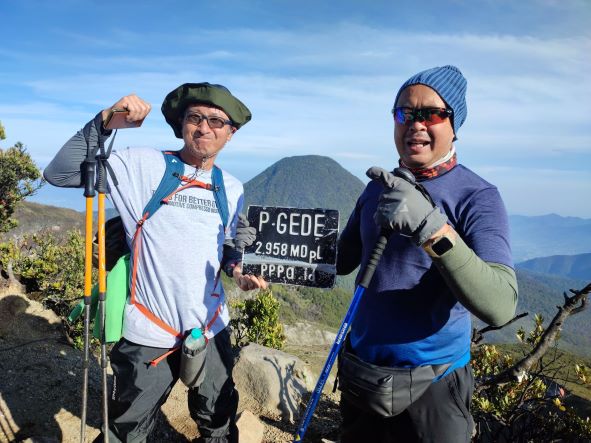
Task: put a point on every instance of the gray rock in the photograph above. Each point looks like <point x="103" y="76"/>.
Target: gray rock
<point x="271" y="381"/>
<point x="250" y="428"/>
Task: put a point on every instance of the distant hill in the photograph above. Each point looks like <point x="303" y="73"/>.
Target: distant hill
<point x="541" y="293"/>
<point x="546" y="235"/>
<point x="573" y="266"/>
<point x="307" y="181"/>
<point x="33" y="217"/>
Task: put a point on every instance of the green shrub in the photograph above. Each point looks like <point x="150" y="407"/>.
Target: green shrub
<point x="53" y="268"/>
<point x="19" y="178"/>
<point x="257" y="320"/>
<point x="526" y="409"/>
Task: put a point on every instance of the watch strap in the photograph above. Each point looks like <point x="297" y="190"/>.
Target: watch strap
<point x="440" y="245"/>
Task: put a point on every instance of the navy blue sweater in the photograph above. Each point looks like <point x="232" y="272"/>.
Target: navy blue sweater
<point x="408" y="316"/>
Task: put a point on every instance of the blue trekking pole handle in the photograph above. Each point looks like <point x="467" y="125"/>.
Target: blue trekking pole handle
<point x="334" y="351"/>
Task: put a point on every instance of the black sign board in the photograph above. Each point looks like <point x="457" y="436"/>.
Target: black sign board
<point x="293" y="246"/>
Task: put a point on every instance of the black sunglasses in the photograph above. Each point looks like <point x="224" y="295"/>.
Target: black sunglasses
<point x="427" y="116"/>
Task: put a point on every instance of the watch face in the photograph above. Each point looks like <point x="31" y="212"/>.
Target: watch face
<point x="442" y="245"/>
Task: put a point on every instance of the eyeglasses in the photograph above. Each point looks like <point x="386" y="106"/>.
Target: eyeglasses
<point x="427" y="116"/>
<point x="212" y="121"/>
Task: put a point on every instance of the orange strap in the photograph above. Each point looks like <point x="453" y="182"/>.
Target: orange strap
<point x="189" y="183"/>
<point x="209" y="325"/>
<point x="176" y="348"/>
<point x="137" y="240"/>
<point x="163" y="356"/>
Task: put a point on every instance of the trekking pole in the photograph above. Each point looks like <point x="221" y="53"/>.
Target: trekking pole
<point x="101" y="307"/>
<point x="361" y="287"/>
<point x="89" y="193"/>
<point x="374" y="258"/>
<point x="103" y="169"/>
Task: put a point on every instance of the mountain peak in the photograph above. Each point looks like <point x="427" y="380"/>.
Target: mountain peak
<point x="305" y="181"/>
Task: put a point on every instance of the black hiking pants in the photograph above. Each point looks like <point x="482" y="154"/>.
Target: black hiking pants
<point x="441" y="415"/>
<point x="139" y="390"/>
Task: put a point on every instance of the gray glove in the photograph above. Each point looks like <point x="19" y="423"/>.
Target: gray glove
<point x="245" y="234"/>
<point x="404" y="209"/>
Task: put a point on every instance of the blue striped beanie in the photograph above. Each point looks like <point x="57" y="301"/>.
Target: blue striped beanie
<point x="450" y="84"/>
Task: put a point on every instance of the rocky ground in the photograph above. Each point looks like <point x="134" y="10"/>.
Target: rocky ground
<point x="40" y="383"/>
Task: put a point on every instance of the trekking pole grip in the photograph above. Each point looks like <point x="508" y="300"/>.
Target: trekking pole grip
<point x="376" y="254"/>
<point x="89" y="172"/>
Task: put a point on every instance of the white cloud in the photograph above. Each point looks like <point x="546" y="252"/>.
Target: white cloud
<point x="328" y="90"/>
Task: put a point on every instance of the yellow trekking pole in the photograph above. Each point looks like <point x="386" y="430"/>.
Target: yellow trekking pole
<point x="102" y="276"/>
<point x="90" y="188"/>
<point x="89" y="194"/>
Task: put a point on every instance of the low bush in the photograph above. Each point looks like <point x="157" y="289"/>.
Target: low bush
<point x="257" y="320"/>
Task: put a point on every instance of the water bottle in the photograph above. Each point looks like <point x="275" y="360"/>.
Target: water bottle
<point x="193" y="359"/>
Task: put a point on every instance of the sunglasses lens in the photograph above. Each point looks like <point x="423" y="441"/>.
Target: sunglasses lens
<point x="426" y="116"/>
<point x="433" y="119"/>
<point x="402" y="115"/>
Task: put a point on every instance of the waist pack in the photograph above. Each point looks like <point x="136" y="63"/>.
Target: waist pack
<point x="381" y="390"/>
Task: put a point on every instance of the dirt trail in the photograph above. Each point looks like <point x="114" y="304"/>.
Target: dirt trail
<point x="40" y="383"/>
<point x="40" y="376"/>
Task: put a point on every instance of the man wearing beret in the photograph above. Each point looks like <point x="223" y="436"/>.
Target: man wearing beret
<point x="183" y="247"/>
<point x="405" y="373"/>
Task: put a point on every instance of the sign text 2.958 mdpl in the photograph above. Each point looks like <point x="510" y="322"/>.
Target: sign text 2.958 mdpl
<point x="293" y="246"/>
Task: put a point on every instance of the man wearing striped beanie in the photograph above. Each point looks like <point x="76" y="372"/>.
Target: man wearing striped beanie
<point x="405" y="372"/>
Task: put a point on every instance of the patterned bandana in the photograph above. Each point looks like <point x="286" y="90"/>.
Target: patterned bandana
<point x="440" y="167"/>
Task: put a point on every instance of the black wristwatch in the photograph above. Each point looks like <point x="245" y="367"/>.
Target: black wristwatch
<point x="440" y="245"/>
<point x="229" y="268"/>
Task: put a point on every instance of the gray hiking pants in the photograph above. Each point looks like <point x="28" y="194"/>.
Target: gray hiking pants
<point x="139" y="390"/>
<point x="440" y="415"/>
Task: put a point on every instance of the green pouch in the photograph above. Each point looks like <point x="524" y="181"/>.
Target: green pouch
<point x="116" y="297"/>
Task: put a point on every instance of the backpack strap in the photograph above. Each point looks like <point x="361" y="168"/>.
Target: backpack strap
<point x="168" y="184"/>
<point x="219" y="193"/>
<point x="170" y="181"/>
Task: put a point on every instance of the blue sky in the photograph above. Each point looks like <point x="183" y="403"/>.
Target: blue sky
<point x="319" y="78"/>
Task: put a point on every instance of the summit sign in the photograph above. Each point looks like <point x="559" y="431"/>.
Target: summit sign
<point x="293" y="246"/>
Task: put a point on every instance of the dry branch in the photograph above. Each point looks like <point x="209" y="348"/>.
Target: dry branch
<point x="572" y="305"/>
<point x="478" y="335"/>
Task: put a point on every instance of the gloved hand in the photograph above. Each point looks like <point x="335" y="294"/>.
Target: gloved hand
<point x="245" y="234"/>
<point x="404" y="209"/>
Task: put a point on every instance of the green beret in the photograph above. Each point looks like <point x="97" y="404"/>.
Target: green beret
<point x="176" y="101"/>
